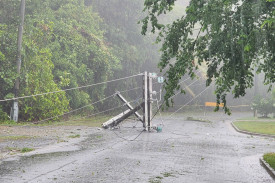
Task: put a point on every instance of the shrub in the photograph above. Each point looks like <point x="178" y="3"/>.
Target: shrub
<point x="264" y="106"/>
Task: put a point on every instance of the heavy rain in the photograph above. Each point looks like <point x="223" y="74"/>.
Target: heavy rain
<point x="149" y="91"/>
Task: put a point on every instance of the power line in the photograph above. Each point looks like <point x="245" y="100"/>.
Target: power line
<point x="128" y="139"/>
<point x="123" y="104"/>
<point x="186" y="80"/>
<point x="105" y="82"/>
<point x="179" y="108"/>
<point x="123" y="91"/>
<point x="184" y="88"/>
<point x="76" y="109"/>
<point x="173" y="97"/>
<point x="85" y="116"/>
<point x="83" y="106"/>
<point x="189" y="101"/>
<point x="108" y="110"/>
<point x="180" y="91"/>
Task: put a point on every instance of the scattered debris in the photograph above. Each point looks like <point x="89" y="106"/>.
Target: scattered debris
<point x="74" y="136"/>
<point x="198" y="119"/>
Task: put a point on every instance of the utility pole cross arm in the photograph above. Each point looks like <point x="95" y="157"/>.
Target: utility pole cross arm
<point x="129" y="105"/>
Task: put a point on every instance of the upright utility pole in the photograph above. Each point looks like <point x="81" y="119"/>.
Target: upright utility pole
<point x="15" y="108"/>
<point x="145" y="98"/>
<point x="150" y="97"/>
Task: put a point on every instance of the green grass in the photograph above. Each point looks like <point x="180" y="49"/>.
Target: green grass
<point x="74" y="121"/>
<point x="91" y="122"/>
<point x="10" y="123"/>
<point x="154" y="180"/>
<point x="16" y="149"/>
<point x="12" y="149"/>
<point x="256" y="119"/>
<point x="249" y="118"/>
<point x="74" y="136"/>
<point x="167" y="174"/>
<point x="26" y="149"/>
<point x="270" y="159"/>
<point x="14" y="137"/>
<point x="258" y="126"/>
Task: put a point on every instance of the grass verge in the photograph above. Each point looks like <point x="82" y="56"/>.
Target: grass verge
<point x="74" y="121"/>
<point x="26" y="149"/>
<point x="259" y="126"/>
<point x="270" y="159"/>
<point x="22" y="137"/>
<point x="16" y="149"/>
<point x="91" y="122"/>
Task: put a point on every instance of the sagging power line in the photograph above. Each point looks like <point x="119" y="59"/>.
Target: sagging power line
<point x="146" y="105"/>
<point x="15" y="108"/>
<point x="69" y="89"/>
<point x="101" y="100"/>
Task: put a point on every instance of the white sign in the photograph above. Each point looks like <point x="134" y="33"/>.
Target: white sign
<point x="160" y="79"/>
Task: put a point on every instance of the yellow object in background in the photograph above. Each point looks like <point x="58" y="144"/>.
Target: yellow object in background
<point x="213" y="104"/>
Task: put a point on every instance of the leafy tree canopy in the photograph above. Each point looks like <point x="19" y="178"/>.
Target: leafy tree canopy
<point x="234" y="38"/>
<point x="63" y="47"/>
<point x="66" y="44"/>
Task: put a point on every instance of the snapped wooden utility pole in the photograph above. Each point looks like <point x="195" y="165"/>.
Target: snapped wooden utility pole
<point x="146" y="106"/>
<point x="15" y="108"/>
<point x="129" y="106"/>
<point x="119" y="118"/>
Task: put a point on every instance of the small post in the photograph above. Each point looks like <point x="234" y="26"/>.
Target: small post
<point x="145" y="99"/>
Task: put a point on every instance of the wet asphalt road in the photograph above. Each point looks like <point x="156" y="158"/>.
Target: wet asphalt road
<point x="186" y="151"/>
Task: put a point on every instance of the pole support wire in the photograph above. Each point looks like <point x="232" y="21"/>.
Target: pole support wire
<point x="189" y="102"/>
<point x="69" y="89"/>
<point x="86" y="105"/>
<point x="110" y="109"/>
<point x="174" y="96"/>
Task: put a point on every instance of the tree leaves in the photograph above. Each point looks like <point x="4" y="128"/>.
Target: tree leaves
<point x="63" y="46"/>
<point x="229" y="36"/>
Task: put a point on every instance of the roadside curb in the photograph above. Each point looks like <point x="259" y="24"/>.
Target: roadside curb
<point x="268" y="168"/>
<point x="250" y="133"/>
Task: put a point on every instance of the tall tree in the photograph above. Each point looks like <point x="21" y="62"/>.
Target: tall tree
<point x="135" y="52"/>
<point x="63" y="48"/>
<point x="233" y="38"/>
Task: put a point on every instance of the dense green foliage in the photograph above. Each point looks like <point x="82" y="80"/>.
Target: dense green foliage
<point x="135" y="52"/>
<point x="68" y="44"/>
<point x="122" y="33"/>
<point x="233" y="38"/>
